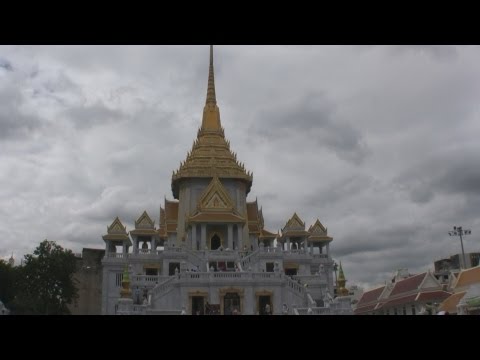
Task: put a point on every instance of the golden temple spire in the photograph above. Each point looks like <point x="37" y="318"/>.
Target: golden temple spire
<point x="211" y="98"/>
<point x="211" y="113"/>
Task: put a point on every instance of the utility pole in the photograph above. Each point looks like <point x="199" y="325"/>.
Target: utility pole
<point x="458" y="231"/>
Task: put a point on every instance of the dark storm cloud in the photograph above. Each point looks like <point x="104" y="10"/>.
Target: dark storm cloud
<point x="13" y="122"/>
<point x="5" y="64"/>
<point x="313" y="116"/>
<point x="448" y="172"/>
<point x="365" y="243"/>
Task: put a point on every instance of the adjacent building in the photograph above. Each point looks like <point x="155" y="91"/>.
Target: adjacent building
<point x="405" y="294"/>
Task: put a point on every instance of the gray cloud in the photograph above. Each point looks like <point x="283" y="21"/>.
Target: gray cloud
<point x="438" y="52"/>
<point x="5" y="64"/>
<point x="379" y="143"/>
<point x="14" y="123"/>
<point x="312" y="117"/>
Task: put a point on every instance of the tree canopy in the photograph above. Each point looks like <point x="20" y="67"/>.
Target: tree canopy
<point x="7" y="282"/>
<point x="45" y="283"/>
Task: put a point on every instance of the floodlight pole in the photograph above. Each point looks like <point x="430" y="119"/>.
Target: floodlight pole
<point x="457" y="230"/>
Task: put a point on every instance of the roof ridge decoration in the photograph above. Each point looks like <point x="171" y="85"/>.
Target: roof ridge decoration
<point x="318" y="229"/>
<point x="117" y="227"/>
<point x="295" y="222"/>
<point x="215" y="198"/>
<point x="144" y="222"/>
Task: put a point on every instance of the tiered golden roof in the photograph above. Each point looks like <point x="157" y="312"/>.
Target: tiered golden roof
<point x="116" y="231"/>
<point x="318" y="233"/>
<point x="144" y="225"/>
<point x="295" y="227"/>
<point x="211" y="154"/>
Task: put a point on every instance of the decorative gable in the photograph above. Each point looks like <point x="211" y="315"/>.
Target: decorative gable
<point x="215" y="198"/>
<point x="318" y="229"/>
<point x="295" y="223"/>
<point x="144" y="222"/>
<point x="117" y="227"/>
<point x="429" y="282"/>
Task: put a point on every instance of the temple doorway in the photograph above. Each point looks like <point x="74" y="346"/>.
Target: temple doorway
<point x="215" y="242"/>
<point x="198" y="305"/>
<point x="290" y="271"/>
<point x="231" y="304"/>
<point x="263" y="301"/>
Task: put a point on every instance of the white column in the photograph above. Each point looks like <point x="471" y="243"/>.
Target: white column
<point x="135" y="244"/>
<point x="240" y="237"/>
<point x="194" y="237"/>
<point x="230" y="237"/>
<point x="203" y="241"/>
<point x="288" y="244"/>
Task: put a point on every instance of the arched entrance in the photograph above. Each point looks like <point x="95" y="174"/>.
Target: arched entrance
<point x="231" y="303"/>
<point x="215" y="242"/>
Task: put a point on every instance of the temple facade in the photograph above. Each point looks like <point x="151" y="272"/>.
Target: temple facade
<point x="211" y="252"/>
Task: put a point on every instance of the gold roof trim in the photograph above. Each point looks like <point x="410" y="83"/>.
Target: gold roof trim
<point x="295" y="222"/>
<point x="117" y="227"/>
<point x="216" y="217"/>
<point x="144" y="222"/>
<point x="215" y="198"/>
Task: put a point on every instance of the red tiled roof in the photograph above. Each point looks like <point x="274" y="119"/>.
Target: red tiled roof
<point x="161" y="232"/>
<point x="409" y="284"/>
<point x="171" y="211"/>
<point x="171" y="227"/>
<point x="468" y="277"/>
<point x="369" y="296"/>
<point x="364" y="309"/>
<point x="433" y="295"/>
<point x="401" y="300"/>
<point x="450" y="304"/>
<point x="252" y="211"/>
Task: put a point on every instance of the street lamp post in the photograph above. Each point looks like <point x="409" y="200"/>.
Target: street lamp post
<point x="458" y="231"/>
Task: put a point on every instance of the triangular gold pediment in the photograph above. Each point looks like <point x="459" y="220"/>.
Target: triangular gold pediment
<point x="215" y="197"/>
<point x="144" y="221"/>
<point x="295" y="222"/>
<point x="216" y="202"/>
<point x="318" y="228"/>
<point x="116" y="227"/>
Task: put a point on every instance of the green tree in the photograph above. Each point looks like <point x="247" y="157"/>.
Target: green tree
<point x="45" y="281"/>
<point x="7" y="282"/>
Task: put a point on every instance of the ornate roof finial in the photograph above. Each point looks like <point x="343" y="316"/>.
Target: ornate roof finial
<point x="211" y="98"/>
<point x="342" y="291"/>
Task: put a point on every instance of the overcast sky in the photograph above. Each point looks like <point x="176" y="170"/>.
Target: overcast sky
<point x="380" y="143"/>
